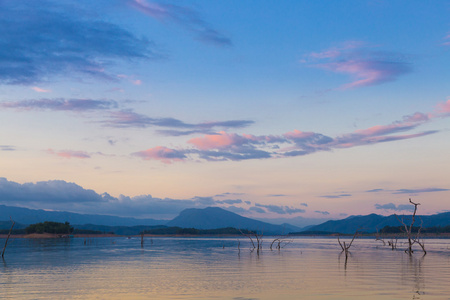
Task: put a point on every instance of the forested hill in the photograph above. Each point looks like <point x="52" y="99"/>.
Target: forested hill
<point x="372" y="222"/>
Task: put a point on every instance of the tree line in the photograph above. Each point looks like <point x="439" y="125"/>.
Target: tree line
<point x="195" y="231"/>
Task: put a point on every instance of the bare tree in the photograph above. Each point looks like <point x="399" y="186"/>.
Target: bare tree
<point x="9" y="234"/>
<point x="345" y="246"/>
<point x="378" y="237"/>
<point x="258" y="238"/>
<point x="280" y="242"/>
<point x="409" y="234"/>
<point x="393" y="243"/>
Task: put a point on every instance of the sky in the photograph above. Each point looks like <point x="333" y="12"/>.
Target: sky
<point x="270" y="109"/>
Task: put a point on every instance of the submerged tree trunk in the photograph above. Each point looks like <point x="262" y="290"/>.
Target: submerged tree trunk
<point x="9" y="234"/>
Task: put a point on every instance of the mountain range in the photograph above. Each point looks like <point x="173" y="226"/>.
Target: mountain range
<point x="31" y="216"/>
<point x="208" y="218"/>
<point x="373" y="222"/>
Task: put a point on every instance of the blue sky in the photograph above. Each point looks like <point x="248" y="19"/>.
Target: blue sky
<point x="315" y="109"/>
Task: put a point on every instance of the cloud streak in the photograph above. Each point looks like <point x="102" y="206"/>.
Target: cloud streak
<point x="125" y="118"/>
<point x="185" y="17"/>
<point x="131" y="119"/>
<point x="60" y="104"/>
<point x="69" y="154"/>
<point x="278" y="209"/>
<point x="7" y="148"/>
<point x="366" y="66"/>
<point x="162" y="154"/>
<point x="392" y="206"/>
<point x="410" y="191"/>
<point x="336" y="196"/>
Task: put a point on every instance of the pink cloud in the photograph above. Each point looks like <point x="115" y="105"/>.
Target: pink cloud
<point x="382" y="129"/>
<point x="163" y="154"/>
<point x="297" y="134"/>
<point x="366" y="66"/>
<point x="417" y="117"/>
<point x="40" y="90"/>
<point x="368" y="72"/>
<point x="152" y="9"/>
<point x="69" y="154"/>
<point x="217" y="141"/>
<point x="444" y="107"/>
<point x="230" y="146"/>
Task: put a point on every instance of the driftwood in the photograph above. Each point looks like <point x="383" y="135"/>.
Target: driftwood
<point x="9" y="234"/>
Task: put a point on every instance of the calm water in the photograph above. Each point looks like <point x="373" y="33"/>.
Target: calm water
<point x="213" y="268"/>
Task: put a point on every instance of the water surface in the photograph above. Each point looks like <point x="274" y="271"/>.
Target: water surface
<point x="214" y="268"/>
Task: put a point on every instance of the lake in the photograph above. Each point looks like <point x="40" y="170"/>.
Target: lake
<point x="214" y="268"/>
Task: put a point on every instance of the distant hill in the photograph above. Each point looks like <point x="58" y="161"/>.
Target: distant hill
<point x="32" y="216"/>
<point x="371" y="222"/>
<point x="215" y="217"/>
<point x="298" y="221"/>
<point x="7" y="225"/>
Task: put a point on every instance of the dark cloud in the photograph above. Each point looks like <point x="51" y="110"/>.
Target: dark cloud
<point x="336" y="196"/>
<point x="325" y="213"/>
<point x="277" y="195"/>
<point x="67" y="196"/>
<point x="41" y="39"/>
<point x="125" y="118"/>
<point x="243" y="153"/>
<point x="375" y="191"/>
<point x="237" y="210"/>
<point x="185" y="17"/>
<point x="228" y="194"/>
<point x="410" y="191"/>
<point x="304" y="204"/>
<point x="257" y="209"/>
<point x="280" y="209"/>
<point x="46" y="192"/>
<point x="392" y="206"/>
<point x="229" y="201"/>
<point x="130" y="119"/>
<point x="419" y="191"/>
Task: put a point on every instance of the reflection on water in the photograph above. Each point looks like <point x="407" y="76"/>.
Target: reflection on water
<point x="202" y="268"/>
